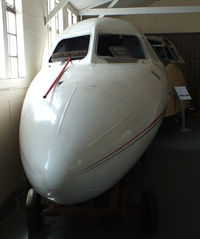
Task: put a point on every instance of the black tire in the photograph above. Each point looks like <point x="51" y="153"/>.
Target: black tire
<point x="33" y="211"/>
<point x="150" y="212"/>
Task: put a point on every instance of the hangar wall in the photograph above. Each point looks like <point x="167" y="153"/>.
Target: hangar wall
<point x="169" y="23"/>
<point x="12" y="92"/>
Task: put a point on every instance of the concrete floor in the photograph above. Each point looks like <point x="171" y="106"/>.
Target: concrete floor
<point x="171" y="168"/>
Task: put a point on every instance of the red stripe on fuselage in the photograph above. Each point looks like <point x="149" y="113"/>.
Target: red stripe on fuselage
<point x="127" y="143"/>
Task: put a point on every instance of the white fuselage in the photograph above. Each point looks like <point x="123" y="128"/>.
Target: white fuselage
<point x="93" y="127"/>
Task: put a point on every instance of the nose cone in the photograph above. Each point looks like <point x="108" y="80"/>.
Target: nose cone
<point x="62" y="137"/>
<point x="88" y="117"/>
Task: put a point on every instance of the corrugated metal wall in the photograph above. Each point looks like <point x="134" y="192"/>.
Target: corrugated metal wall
<point x="188" y="44"/>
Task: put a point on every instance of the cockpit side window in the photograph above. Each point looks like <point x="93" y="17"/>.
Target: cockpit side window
<point x="120" y="47"/>
<point x="165" y="50"/>
<point x="159" y="51"/>
<point x="76" y="48"/>
<point x="170" y="53"/>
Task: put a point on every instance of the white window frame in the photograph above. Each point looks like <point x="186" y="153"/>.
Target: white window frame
<point x="5" y="57"/>
<point x="64" y="18"/>
<point x="3" y="72"/>
<point x="10" y="55"/>
<point x="55" y="25"/>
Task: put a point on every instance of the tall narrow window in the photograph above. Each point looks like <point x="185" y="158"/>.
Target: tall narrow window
<point x="64" y="18"/>
<point x="74" y="19"/>
<point x="12" y="39"/>
<point x="69" y="14"/>
<point x="55" y="26"/>
<point x="12" y="57"/>
<point x="2" y="44"/>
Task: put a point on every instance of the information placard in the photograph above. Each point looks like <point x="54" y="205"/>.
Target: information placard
<point x="182" y="93"/>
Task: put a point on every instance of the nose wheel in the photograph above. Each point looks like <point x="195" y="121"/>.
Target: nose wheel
<point x="33" y="211"/>
<point x="147" y="208"/>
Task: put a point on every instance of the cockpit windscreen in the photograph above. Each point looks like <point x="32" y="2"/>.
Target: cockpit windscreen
<point x="165" y="50"/>
<point x="120" y="47"/>
<point x="76" y="48"/>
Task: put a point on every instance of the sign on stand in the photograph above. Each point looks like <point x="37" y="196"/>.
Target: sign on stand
<point x="183" y="95"/>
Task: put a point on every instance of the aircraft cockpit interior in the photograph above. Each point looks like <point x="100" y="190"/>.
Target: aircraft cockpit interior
<point x="118" y="48"/>
<point x="76" y="48"/>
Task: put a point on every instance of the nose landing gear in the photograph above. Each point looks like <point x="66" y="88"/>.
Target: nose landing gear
<point x="33" y="211"/>
<point x="147" y="208"/>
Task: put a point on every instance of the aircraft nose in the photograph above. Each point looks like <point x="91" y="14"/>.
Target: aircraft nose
<point x="83" y="132"/>
<point x="88" y="116"/>
<point x="80" y="132"/>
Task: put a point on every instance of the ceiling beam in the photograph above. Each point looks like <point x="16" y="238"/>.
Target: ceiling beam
<point x="61" y="4"/>
<point x="97" y="4"/>
<point x="140" y="11"/>
<point x="113" y="3"/>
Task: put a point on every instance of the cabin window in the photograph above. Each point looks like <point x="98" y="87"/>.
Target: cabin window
<point x="121" y="47"/>
<point x="76" y="48"/>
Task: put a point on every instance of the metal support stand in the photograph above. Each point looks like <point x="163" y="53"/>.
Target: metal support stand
<point x="115" y="205"/>
<point x="183" y="95"/>
<point x="183" y="128"/>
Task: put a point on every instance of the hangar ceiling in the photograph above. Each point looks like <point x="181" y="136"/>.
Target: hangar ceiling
<point x="127" y="7"/>
<point x="80" y="4"/>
